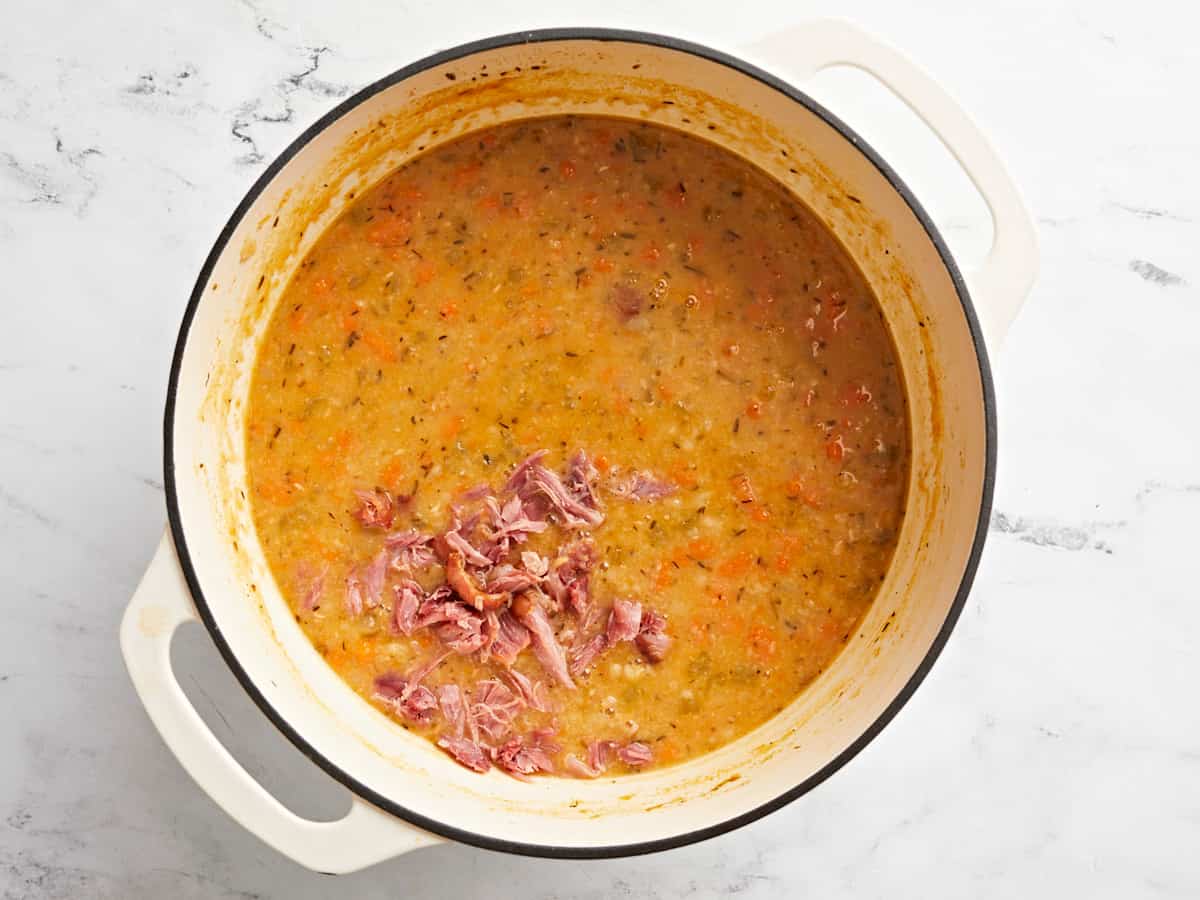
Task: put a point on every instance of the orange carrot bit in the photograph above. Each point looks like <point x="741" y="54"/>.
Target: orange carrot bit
<point x="760" y="513"/>
<point x="602" y="264"/>
<point x="275" y="492"/>
<point x="567" y="168"/>
<point x="392" y="473"/>
<point x="467" y="174"/>
<point x="651" y="252"/>
<point x="701" y="548"/>
<point x="381" y="347"/>
<point x="489" y="203"/>
<point x="683" y="476"/>
<point x="601" y="462"/>
<point x="452" y="427"/>
<point x="737" y="565"/>
<point x="754" y="409"/>
<point x="425" y="272"/>
<point x="835" y="448"/>
<point x="798" y="489"/>
<point x="297" y="318"/>
<point x="320" y="286"/>
<point x="676" y="195"/>
<point x="762" y="643"/>
<point x="449" y="310"/>
<point x="665" y="577"/>
<point x="391" y="231"/>
<point x="783" y="562"/>
<point x="743" y="490"/>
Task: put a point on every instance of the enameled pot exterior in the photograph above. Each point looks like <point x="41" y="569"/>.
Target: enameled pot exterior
<point x="211" y="566"/>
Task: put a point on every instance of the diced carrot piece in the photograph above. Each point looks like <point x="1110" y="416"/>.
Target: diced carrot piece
<point x="701" y="548"/>
<point x="737" y="565"/>
<point x="760" y="513"/>
<point x="743" y="490"/>
<point x="567" y="168"/>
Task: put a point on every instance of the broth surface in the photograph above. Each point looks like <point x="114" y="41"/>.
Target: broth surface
<point x="590" y="284"/>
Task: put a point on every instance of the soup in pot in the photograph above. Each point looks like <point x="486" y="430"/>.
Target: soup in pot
<point x="578" y="445"/>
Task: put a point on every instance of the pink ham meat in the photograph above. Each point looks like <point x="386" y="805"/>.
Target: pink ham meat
<point x="493" y="708"/>
<point x="530" y="691"/>
<point x="635" y="754"/>
<point x="511" y="638"/>
<point x="509" y="579"/>
<point x="624" y="621"/>
<point x="312" y="585"/>
<point x="641" y="486"/>
<point x="541" y="636"/>
<point x="364" y="584"/>
<point x="535" y="564"/>
<point x="463" y="632"/>
<point x="567" y="581"/>
<point x="652" y="639"/>
<point x="405" y="605"/>
<point x="410" y="550"/>
<point x="454" y="708"/>
<point x="513" y="522"/>
<point x="457" y="542"/>
<point x="521" y="757"/>
<point x="405" y="693"/>
<point x="600" y="755"/>
<point x="466" y="753"/>
<point x="376" y="509"/>
<point x="531" y="479"/>
<point x="584" y="655"/>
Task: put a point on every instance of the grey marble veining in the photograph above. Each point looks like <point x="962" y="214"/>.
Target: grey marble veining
<point x="1054" y="750"/>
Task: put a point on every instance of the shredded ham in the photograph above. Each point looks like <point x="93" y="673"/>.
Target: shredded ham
<point x="510" y="639"/>
<point x="535" y="564"/>
<point x="531" y="479"/>
<point x="627" y="300"/>
<point x="600" y="755"/>
<point x="521" y="757"/>
<point x="410" y="550"/>
<point x="454" y="708"/>
<point x="635" y="754"/>
<point x="313" y="586"/>
<point x="465" y="752"/>
<point x="407" y="695"/>
<point x="495" y="602"/>
<point x="641" y="486"/>
<point x="652" y="639"/>
<point x="467" y="588"/>
<point x="531" y="692"/>
<point x="624" y="621"/>
<point x="407" y="601"/>
<point x="376" y="509"/>
<point x="493" y="707"/>
<point x="545" y="645"/>
<point x="510" y="580"/>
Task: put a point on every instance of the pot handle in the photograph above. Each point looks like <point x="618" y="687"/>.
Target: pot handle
<point x="1000" y="285"/>
<point x="366" y="835"/>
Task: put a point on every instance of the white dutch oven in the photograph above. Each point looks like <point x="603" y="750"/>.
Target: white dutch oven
<point x="210" y="566"/>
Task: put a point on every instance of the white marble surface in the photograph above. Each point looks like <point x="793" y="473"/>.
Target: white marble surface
<point x="1056" y="746"/>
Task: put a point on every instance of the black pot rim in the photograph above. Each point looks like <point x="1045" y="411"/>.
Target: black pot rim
<point x="549" y="850"/>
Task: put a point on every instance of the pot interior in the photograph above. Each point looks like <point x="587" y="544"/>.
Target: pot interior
<point x="638" y="78"/>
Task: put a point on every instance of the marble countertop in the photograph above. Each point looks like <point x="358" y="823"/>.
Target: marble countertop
<point x="1054" y="748"/>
